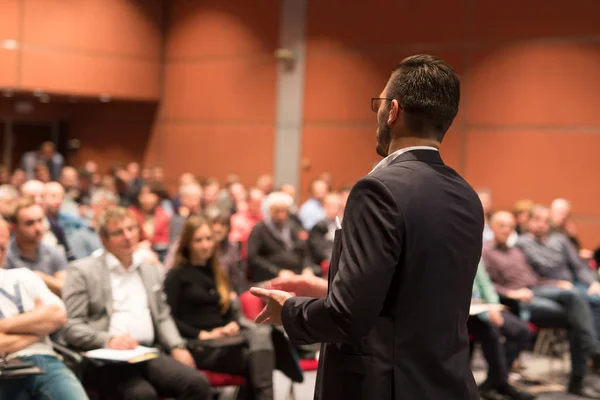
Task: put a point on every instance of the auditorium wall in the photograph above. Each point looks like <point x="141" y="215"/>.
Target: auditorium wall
<point x="528" y="125"/>
<point x="218" y="108"/>
<point x="83" y="47"/>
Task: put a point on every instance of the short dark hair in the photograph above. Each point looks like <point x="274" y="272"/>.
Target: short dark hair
<point x="428" y="90"/>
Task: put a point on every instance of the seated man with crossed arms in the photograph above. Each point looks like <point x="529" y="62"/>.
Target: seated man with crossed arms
<point x="29" y="312"/>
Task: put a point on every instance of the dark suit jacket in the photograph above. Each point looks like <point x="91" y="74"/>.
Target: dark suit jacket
<point x="267" y="254"/>
<point x="319" y="245"/>
<point x="394" y="321"/>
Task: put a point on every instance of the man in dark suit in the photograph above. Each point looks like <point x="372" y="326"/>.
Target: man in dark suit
<point x="393" y="314"/>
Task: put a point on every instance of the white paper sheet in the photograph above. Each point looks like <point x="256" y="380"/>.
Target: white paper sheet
<point x="122" y="355"/>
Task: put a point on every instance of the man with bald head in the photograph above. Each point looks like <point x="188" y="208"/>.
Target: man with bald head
<point x="551" y="302"/>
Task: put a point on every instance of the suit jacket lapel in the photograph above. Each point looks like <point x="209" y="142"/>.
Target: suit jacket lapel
<point x="149" y="286"/>
<point x="104" y="281"/>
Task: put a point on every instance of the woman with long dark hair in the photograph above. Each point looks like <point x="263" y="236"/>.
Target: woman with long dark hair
<point x="199" y="293"/>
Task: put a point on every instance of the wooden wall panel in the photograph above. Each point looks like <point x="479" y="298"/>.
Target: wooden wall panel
<point x="515" y="19"/>
<point x="126" y="27"/>
<point x="225" y="89"/>
<point x="9" y="67"/>
<point x="540" y="165"/>
<point x="90" y="75"/>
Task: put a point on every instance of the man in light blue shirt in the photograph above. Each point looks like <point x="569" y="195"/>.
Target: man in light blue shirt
<point x="312" y="211"/>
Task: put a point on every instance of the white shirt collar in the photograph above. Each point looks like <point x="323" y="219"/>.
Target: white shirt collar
<point x="113" y="262"/>
<point x="391" y="157"/>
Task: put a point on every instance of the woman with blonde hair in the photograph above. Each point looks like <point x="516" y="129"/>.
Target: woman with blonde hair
<point x="199" y="294"/>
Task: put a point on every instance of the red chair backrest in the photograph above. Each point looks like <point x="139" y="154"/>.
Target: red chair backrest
<point x="251" y="305"/>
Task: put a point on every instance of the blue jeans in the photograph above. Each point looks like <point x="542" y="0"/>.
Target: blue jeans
<point x="58" y="383"/>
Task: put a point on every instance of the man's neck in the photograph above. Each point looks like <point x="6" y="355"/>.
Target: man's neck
<point x="29" y="250"/>
<point x="126" y="262"/>
<point x="540" y="239"/>
<point x="398" y="143"/>
<point x="502" y="246"/>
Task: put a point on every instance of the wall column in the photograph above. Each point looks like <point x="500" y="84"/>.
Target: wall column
<point x="290" y="93"/>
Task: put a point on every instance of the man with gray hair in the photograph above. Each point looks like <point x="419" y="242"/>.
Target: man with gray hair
<point x="277" y="246"/>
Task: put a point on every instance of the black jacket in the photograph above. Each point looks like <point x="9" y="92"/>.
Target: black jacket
<point x="394" y="321"/>
<point x="267" y="254"/>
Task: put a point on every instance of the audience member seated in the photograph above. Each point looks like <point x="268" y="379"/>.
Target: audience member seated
<point x="320" y="239"/>
<point x="291" y="190"/>
<point x="54" y="195"/>
<point x="243" y="221"/>
<point x="114" y="300"/>
<point x="42" y="173"/>
<point x="26" y="249"/>
<point x="277" y="246"/>
<point x="488" y="329"/>
<point x="561" y="221"/>
<point x="521" y="212"/>
<point x="549" y="303"/>
<point x="211" y="189"/>
<point x="231" y="195"/>
<point x="190" y="203"/>
<point x="153" y="220"/>
<point x="229" y="254"/>
<point x="4" y="175"/>
<point x="85" y="241"/>
<point x="485" y="196"/>
<point x="199" y="294"/>
<point x="8" y="197"/>
<point x="265" y="184"/>
<point x="312" y="210"/>
<point x="69" y="179"/>
<point x="54" y="235"/>
<point x="553" y="257"/>
<point x="29" y="312"/>
<point x="134" y="181"/>
<point x="18" y="178"/>
<point x="47" y="156"/>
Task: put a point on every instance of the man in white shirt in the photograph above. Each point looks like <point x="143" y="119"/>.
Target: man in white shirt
<point x="115" y="300"/>
<point x="29" y="312"/>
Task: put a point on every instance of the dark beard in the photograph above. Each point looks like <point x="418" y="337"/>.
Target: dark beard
<point x="383" y="140"/>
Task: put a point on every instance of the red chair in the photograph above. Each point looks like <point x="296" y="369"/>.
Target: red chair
<point x="325" y="268"/>
<point x="221" y="381"/>
<point x="251" y="305"/>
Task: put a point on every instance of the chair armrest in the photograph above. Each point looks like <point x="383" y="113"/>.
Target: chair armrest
<point x="73" y="359"/>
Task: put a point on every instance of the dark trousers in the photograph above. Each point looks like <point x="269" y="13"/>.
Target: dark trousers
<point x="499" y="356"/>
<point x="253" y="358"/>
<point x="516" y="336"/>
<point x="552" y="307"/>
<point x="160" y="377"/>
<point x="594" y="302"/>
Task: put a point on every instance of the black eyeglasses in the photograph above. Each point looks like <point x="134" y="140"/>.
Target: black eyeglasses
<point x="376" y="102"/>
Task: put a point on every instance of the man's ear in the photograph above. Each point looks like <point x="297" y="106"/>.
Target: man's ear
<point x="394" y="113"/>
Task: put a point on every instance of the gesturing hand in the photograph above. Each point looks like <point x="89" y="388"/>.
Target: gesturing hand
<point x="301" y="285"/>
<point x="274" y="300"/>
